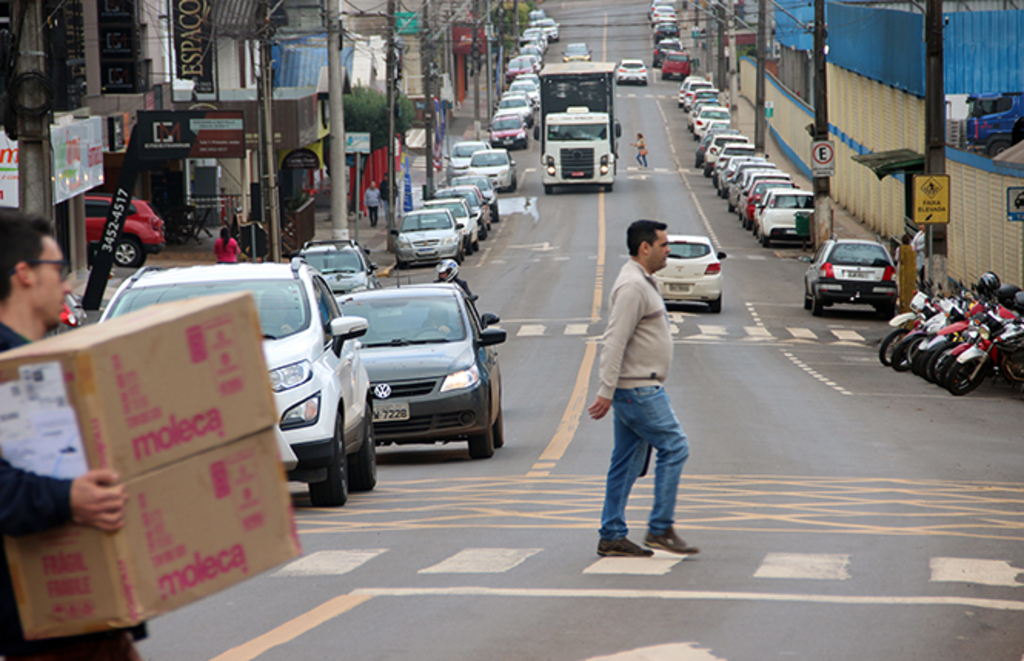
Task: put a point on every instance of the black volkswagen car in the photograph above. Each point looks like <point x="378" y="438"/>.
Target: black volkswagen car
<point x="433" y="368"/>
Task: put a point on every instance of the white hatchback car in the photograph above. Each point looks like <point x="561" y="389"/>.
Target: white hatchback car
<point x="693" y="272"/>
<point x="496" y="165"/>
<point x="707" y="115"/>
<point x="462" y="152"/>
<point x="631" y="71"/>
<point x="319" y="382"/>
<point x="777" y="218"/>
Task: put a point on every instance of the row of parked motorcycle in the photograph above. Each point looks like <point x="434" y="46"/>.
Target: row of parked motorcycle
<point x="960" y="340"/>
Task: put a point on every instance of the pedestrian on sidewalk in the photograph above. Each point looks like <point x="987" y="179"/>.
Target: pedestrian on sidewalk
<point x="371" y="199"/>
<point x="31" y="299"/>
<point x="641" y="149"/>
<point x="635" y="360"/>
<point x="918" y="244"/>
<point x="226" y="248"/>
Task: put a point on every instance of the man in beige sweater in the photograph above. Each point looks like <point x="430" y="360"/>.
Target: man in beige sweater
<point x="635" y="360"/>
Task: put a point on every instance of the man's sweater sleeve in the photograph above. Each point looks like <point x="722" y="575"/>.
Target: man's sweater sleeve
<point x="30" y="503"/>
<point x="627" y="311"/>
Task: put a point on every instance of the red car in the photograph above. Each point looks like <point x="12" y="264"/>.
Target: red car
<point x="675" y="65"/>
<point x="518" y="65"/>
<point x="509" y="131"/>
<point x="143" y="229"/>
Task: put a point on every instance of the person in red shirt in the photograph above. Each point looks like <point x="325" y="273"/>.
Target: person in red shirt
<point x="226" y="248"/>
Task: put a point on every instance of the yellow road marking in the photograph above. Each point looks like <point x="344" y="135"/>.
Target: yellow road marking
<point x="294" y="628"/>
<point x="577" y="402"/>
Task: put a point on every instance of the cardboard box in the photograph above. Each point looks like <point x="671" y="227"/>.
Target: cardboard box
<point x="193" y="528"/>
<point x="161" y="384"/>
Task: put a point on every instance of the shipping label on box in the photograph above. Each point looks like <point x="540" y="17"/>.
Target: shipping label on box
<point x="160" y="384"/>
<point x="192" y="528"/>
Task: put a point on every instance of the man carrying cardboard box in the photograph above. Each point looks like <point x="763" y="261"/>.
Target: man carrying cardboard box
<point x="31" y="299"/>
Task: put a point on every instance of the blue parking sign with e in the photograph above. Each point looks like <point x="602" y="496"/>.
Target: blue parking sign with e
<point x="1015" y="204"/>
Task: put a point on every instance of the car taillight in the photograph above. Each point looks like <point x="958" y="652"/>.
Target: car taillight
<point x="713" y="268"/>
<point x="826" y="271"/>
<point x="890" y="273"/>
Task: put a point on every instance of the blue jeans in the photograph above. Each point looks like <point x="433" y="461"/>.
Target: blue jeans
<point x="643" y="416"/>
<point x="641" y="159"/>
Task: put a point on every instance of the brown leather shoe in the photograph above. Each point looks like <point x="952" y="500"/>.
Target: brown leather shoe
<point x="622" y="548"/>
<point x="670" y="541"/>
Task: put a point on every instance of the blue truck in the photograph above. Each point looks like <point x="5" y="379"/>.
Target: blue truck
<point x="991" y="121"/>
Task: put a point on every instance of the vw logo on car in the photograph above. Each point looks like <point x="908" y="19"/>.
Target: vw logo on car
<point x="382" y="391"/>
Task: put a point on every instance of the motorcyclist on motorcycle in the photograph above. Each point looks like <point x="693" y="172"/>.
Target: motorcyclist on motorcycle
<point x="448" y="271"/>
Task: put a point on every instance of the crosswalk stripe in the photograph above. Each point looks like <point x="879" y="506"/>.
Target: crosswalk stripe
<point x="759" y="332"/>
<point x="712" y="330"/>
<point x="329" y="563"/>
<point x="802" y="333"/>
<point x="971" y="570"/>
<point x="847" y="335"/>
<point x="528" y="330"/>
<point x="662" y="563"/>
<point x="576" y="329"/>
<point x="827" y="566"/>
<point x="481" y="561"/>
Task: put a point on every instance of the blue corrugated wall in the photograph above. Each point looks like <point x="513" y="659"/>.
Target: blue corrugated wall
<point x="984" y="50"/>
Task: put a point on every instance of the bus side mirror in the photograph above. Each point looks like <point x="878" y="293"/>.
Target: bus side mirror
<point x="536" y="131"/>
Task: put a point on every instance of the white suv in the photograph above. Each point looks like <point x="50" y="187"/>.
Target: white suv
<point x="319" y="382"/>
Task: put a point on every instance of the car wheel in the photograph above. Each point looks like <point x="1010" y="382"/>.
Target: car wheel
<point x="807" y="298"/>
<point x="481" y="446"/>
<point x="886" y="311"/>
<point x="817" y="307"/>
<point x="495" y="218"/>
<point x="483" y="233"/>
<point x="363" y="469"/>
<point x="548" y="189"/>
<point x="333" y="492"/>
<point x="715" y="305"/>
<point x="498" y="429"/>
<point x="460" y="256"/>
<point x="765" y="241"/>
<point x="476" y="246"/>
<point x="128" y="252"/>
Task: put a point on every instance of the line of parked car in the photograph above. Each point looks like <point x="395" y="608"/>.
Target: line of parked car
<point x="669" y="56"/>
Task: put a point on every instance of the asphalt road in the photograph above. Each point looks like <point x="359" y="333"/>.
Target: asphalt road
<point x="843" y="511"/>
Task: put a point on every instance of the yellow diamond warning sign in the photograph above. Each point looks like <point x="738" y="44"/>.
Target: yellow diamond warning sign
<point x="931" y="199"/>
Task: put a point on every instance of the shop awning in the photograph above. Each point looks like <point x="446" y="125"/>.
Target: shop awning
<point x="884" y="163"/>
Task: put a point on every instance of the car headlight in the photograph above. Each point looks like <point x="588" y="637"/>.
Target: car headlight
<point x="290" y="376"/>
<point x="303" y="414"/>
<point x="403" y="240"/>
<point x="461" y="379"/>
<point x="449" y="240"/>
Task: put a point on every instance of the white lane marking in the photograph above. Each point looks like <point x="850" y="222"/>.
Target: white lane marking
<point x="536" y="247"/>
<point x="711" y="330"/>
<point x="802" y="333"/>
<point x="529" y="170"/>
<point x="662" y="563"/>
<point x="530" y="330"/>
<point x="667" y="652"/>
<point x="576" y="329"/>
<point x="847" y="335"/>
<point x="756" y="257"/>
<point x="971" y="570"/>
<point x="812" y="373"/>
<point x="694" y="595"/>
<point x="481" y="561"/>
<point x="823" y="566"/>
<point x="758" y="332"/>
<point x="328" y="563"/>
<point x="673" y="329"/>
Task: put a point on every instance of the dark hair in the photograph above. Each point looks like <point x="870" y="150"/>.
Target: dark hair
<point x="225" y="234"/>
<point x="21" y="240"/>
<point x="642" y="231"/>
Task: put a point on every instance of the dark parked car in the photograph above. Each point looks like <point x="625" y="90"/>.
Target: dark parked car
<point x="851" y="271"/>
<point x="665" y="46"/>
<point x="143" y="232"/>
<point x="433" y="369"/>
<point x="666" y="31"/>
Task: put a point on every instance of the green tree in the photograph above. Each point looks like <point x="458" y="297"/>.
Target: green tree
<point x="366" y="111"/>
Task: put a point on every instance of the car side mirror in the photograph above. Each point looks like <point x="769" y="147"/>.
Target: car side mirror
<point x="394" y="232"/>
<point x="721" y="255"/>
<point x="373" y="266"/>
<point x="346" y="328"/>
<point x="489" y="319"/>
<point x="460" y="226"/>
<point x="492" y="336"/>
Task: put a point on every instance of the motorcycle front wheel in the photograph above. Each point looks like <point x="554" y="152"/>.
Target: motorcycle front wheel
<point x="889" y="344"/>
<point x="960" y="381"/>
<point x="903" y="354"/>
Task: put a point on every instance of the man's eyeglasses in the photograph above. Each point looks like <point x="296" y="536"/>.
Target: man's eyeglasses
<point x="65" y="266"/>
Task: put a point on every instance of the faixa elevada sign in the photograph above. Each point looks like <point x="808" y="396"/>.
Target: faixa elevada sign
<point x="172" y="134"/>
<point x="193" y="51"/>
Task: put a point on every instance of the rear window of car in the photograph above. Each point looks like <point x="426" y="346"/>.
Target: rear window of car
<point x="858" y="254"/>
<point x="413" y="320"/>
<point x="793" y="202"/>
<point x="677" y="58"/>
<point x="688" y="250"/>
<point x="632" y="65"/>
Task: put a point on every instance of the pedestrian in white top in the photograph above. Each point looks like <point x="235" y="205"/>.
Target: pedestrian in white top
<point x="371" y="199"/>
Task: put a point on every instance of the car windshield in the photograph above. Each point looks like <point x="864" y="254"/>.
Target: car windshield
<point x="456" y="208"/>
<point x="520" y="63"/>
<point x="281" y="304"/>
<point x="397" y="321"/>
<point x="714" y="114"/>
<point x="507" y="124"/>
<point x="576" y="49"/>
<point x="514" y="102"/>
<point x="858" y="254"/>
<point x="793" y="202"/>
<point x="483" y="183"/>
<point x="688" y="250"/>
<point x="334" y="261"/>
<point x="584" y="132"/>
<point x="424" y="222"/>
<point x="465" y="151"/>
<point x="489" y="159"/>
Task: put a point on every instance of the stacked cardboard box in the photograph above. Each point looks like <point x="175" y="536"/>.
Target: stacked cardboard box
<point x="176" y="399"/>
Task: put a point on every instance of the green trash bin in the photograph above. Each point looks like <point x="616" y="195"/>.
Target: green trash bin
<point x="803" y="224"/>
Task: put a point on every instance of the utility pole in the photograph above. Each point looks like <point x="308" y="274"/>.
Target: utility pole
<point x="339" y="166"/>
<point x="935" y="133"/>
<point x="30" y="89"/>
<point x="391" y="77"/>
<point x="268" y="162"/>
<point x="475" y="55"/>
<point x="734" y="66"/>
<point x="488" y="70"/>
<point x="427" y="57"/>
<point x="822" y="185"/>
<point x="721" y="68"/>
<point x="515" y="21"/>
<point x="762" y="61"/>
